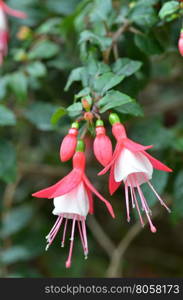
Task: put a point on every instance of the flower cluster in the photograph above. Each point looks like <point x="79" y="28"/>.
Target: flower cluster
<point x="130" y="164"/>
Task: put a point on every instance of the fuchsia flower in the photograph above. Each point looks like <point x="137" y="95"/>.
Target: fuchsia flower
<point x="69" y="142"/>
<point x="180" y="43"/>
<point x="73" y="201"/>
<point x="133" y="166"/>
<point x="102" y="146"/>
<point x="4" y="34"/>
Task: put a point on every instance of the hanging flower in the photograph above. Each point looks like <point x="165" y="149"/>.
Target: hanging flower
<point x="180" y="43"/>
<point x="4" y="33"/>
<point x="69" y="142"/>
<point x="102" y="146"/>
<point x="73" y="200"/>
<point x="133" y="166"/>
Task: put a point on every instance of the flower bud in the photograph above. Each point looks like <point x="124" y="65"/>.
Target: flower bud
<point x="86" y="104"/>
<point x="180" y="43"/>
<point x="69" y="142"/>
<point x="102" y="145"/>
<point x="88" y="116"/>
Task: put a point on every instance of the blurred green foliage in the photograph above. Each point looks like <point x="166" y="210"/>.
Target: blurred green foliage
<point x="58" y="58"/>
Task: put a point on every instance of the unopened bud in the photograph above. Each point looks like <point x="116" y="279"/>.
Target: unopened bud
<point x="86" y="104"/>
<point x="88" y="116"/>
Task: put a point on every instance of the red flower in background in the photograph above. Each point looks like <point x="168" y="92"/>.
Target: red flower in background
<point x="4" y="32"/>
<point x="73" y="200"/>
<point x="133" y="166"/>
<point x="180" y="43"/>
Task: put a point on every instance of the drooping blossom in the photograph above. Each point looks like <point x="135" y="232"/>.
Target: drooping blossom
<point x="68" y="145"/>
<point x="180" y="43"/>
<point x="102" y="145"/>
<point x="73" y="201"/>
<point x="4" y="33"/>
<point x="133" y="166"/>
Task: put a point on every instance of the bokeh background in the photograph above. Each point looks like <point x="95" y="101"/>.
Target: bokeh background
<point x="43" y="51"/>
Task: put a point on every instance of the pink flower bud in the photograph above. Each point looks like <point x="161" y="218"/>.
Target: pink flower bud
<point x="68" y="145"/>
<point x="180" y="44"/>
<point x="102" y="146"/>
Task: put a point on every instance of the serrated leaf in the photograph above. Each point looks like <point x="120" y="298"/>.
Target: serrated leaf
<point x="44" y="49"/>
<point x="58" y="114"/>
<point x="8" y="165"/>
<point x="40" y="113"/>
<point x="126" y="66"/>
<point x="16" y="219"/>
<point x="106" y="81"/>
<point x="7" y="117"/>
<point x="113" y="99"/>
<point x="168" y="9"/>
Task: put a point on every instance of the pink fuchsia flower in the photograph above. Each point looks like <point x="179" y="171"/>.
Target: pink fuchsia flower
<point x="73" y="201"/>
<point x="68" y="145"/>
<point x="133" y="166"/>
<point x="102" y="146"/>
<point x="180" y="43"/>
<point x="4" y="33"/>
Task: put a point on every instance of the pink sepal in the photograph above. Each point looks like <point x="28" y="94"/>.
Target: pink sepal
<point x="62" y="187"/>
<point x="133" y="146"/>
<point x="93" y="190"/>
<point x="113" y="185"/>
<point x="90" y="197"/>
<point x="157" y="164"/>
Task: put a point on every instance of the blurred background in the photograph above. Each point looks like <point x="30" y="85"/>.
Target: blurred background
<point x="43" y="51"/>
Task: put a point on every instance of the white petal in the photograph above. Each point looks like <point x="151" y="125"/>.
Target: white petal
<point x="129" y="162"/>
<point x="74" y="202"/>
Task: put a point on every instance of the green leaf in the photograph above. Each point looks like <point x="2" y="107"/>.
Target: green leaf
<point x="113" y="99"/>
<point x="168" y="9"/>
<point x="7" y="161"/>
<point x="101" y="10"/>
<point x="18" y="83"/>
<point x="15" y="254"/>
<point x="57" y="115"/>
<point x="178" y="195"/>
<point x="7" y="117"/>
<point x="36" y="69"/>
<point x="84" y="92"/>
<point x="143" y="15"/>
<point x="75" y="75"/>
<point x="62" y="6"/>
<point x="148" y="44"/>
<point x="102" y="41"/>
<point x="40" y="113"/>
<point x="75" y="109"/>
<point x="16" y="219"/>
<point x="126" y="66"/>
<point x="106" y="81"/>
<point x="44" y="49"/>
<point x="132" y="108"/>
